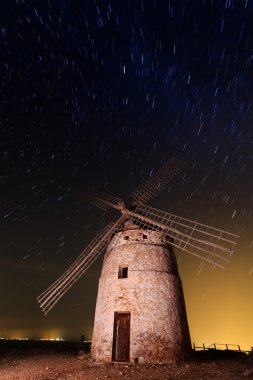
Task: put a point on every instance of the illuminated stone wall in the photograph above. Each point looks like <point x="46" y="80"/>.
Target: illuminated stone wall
<point x="152" y="293"/>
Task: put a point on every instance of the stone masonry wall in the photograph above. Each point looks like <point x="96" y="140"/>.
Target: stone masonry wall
<point x="152" y="293"/>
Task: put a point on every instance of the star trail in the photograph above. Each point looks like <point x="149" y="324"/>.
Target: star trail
<point x="97" y="95"/>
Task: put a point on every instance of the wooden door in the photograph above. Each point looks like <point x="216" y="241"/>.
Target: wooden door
<point x="121" y="337"/>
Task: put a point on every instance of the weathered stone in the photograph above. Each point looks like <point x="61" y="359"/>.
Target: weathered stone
<point x="152" y="293"/>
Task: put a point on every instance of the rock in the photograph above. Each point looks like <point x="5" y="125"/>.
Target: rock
<point x="83" y="355"/>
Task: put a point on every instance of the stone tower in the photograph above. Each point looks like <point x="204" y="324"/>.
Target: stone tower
<point x="140" y="311"/>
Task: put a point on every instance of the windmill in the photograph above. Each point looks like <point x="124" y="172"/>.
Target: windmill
<point x="140" y="310"/>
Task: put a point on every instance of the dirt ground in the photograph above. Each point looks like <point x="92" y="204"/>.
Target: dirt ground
<point x="69" y="366"/>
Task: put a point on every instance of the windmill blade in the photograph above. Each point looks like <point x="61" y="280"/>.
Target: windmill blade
<point x="208" y="243"/>
<point x="51" y="296"/>
<point x="158" y="181"/>
<point x="103" y="201"/>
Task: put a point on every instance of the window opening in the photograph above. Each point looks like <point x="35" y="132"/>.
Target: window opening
<point x="123" y="272"/>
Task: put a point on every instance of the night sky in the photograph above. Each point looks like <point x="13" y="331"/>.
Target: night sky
<point x="97" y="94"/>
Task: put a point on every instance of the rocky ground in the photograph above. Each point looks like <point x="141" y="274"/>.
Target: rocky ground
<point x="69" y="366"/>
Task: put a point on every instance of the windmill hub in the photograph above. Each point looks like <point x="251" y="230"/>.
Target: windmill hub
<point x="129" y="225"/>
